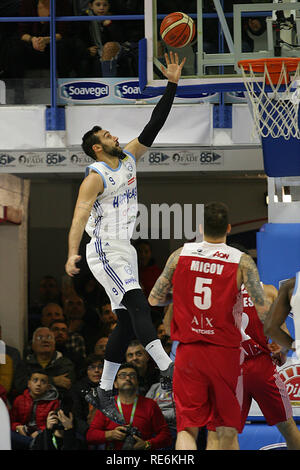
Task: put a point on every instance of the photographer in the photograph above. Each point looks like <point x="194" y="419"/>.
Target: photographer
<point x="145" y="427"/>
<point x="59" y="433"/>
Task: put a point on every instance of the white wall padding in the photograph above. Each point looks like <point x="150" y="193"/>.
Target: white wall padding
<point x="22" y="127"/>
<point x="242" y="125"/>
<point x="186" y="124"/>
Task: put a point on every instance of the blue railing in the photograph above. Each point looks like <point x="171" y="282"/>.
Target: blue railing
<point x="54" y="114"/>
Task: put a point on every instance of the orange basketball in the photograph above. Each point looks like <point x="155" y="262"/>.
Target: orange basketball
<point x="177" y="29"/>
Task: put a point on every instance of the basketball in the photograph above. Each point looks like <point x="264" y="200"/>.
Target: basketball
<point x="177" y="29"/>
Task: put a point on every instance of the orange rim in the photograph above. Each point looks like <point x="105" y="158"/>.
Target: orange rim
<point x="274" y="66"/>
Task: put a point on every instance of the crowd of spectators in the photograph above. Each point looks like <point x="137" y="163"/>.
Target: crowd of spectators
<point x="106" y="48"/>
<point x="44" y="386"/>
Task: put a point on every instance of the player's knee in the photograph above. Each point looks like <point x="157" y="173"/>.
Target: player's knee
<point x="287" y="427"/>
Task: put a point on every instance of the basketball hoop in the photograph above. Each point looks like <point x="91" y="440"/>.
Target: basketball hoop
<point x="273" y="89"/>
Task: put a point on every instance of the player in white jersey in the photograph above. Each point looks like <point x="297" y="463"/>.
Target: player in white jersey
<point x="106" y="207"/>
<point x="288" y="300"/>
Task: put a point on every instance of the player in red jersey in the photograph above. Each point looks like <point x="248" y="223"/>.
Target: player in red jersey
<point x="207" y="311"/>
<point x="261" y="381"/>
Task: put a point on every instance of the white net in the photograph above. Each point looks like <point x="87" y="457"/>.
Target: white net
<point x="275" y="106"/>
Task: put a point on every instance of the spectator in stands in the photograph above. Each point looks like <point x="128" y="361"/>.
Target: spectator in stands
<point x="29" y="410"/>
<point x="44" y="357"/>
<point x="50" y="313"/>
<point x="145" y="427"/>
<point x="62" y="344"/>
<point x="49" y="292"/>
<point x="100" y="346"/>
<point x="106" y="322"/>
<point x="59" y="433"/>
<point x="8" y="34"/>
<point x="165" y="401"/>
<point x="102" y="41"/>
<point x="106" y="53"/>
<point x="7" y="370"/>
<point x="32" y="50"/>
<point x="138" y="356"/>
<point x="149" y="271"/>
<point x="83" y="412"/>
<point x="81" y="321"/>
<point x="254" y="35"/>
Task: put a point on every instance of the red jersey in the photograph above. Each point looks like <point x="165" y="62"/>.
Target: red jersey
<point x="254" y="341"/>
<point x="207" y="305"/>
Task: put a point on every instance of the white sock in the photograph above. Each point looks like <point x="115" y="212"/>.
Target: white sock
<point x="109" y="373"/>
<point x="158" y="354"/>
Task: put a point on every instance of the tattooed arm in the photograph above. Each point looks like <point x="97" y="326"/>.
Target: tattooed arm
<point x="248" y="275"/>
<point x="160" y="294"/>
<point x="91" y="186"/>
<point x="279" y="312"/>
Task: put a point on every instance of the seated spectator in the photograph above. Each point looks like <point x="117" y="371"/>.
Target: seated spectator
<point x="44" y="357"/>
<point x="50" y="313"/>
<point x="8" y="35"/>
<point x="100" y="346"/>
<point x="59" y="433"/>
<point x="7" y="370"/>
<point x="138" y="356"/>
<point x="68" y="348"/>
<point x="32" y="50"/>
<point x="49" y="292"/>
<point x="165" y="401"/>
<point x="102" y="324"/>
<point x="149" y="271"/>
<point x="255" y="36"/>
<point x="83" y="412"/>
<point x="81" y="321"/>
<point x="106" y="53"/>
<point x="144" y="428"/>
<point x="29" y="410"/>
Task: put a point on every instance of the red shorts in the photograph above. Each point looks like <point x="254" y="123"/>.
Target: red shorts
<point x="207" y="385"/>
<point x="263" y="384"/>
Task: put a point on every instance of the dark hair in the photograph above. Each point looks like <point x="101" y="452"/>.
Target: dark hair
<point x="62" y="320"/>
<point x="215" y="219"/>
<point x="37" y="370"/>
<point x="134" y="342"/>
<point x="93" y="358"/>
<point x="128" y="365"/>
<point x="89" y="139"/>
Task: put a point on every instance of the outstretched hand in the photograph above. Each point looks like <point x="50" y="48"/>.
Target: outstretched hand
<point x="174" y="68"/>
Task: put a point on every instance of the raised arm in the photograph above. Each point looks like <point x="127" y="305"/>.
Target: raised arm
<point x="278" y="314"/>
<point x="248" y="275"/>
<point x="91" y="186"/>
<point x="162" y="109"/>
<point x="161" y="292"/>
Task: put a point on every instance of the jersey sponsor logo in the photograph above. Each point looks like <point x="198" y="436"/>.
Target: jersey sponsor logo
<point x="125" y="197"/>
<point x="219" y="254"/>
<point x="205" y="267"/>
<point x="84" y="91"/>
<point x="130" y="280"/>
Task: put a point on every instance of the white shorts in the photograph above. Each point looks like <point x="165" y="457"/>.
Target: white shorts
<point x="114" y="264"/>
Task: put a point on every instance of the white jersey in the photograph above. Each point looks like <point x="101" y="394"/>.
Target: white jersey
<point x="113" y="215"/>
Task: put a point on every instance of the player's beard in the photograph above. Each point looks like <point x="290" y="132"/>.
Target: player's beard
<point x="114" y="152"/>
